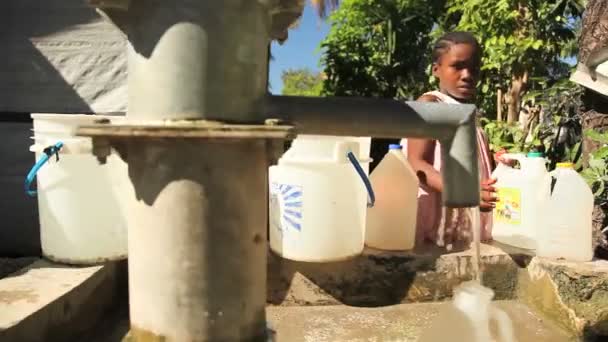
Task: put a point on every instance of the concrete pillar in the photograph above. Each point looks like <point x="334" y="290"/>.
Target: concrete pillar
<point x="197" y="240"/>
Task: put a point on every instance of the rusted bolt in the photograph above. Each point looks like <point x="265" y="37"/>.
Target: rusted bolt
<point x="272" y="122"/>
<point x="101" y="150"/>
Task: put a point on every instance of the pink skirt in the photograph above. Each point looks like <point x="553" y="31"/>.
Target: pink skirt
<point x="446" y="226"/>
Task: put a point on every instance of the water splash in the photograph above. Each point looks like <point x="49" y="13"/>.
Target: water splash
<point x="476" y="228"/>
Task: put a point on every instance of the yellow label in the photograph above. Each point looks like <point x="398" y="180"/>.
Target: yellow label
<point x="508" y="206"/>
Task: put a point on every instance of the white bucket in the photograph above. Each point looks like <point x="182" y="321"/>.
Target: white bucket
<point x="318" y="200"/>
<point x="82" y="204"/>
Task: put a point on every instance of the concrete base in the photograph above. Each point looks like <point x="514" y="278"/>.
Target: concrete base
<point x="378" y="278"/>
<point x="50" y="302"/>
<point x="575" y="295"/>
<point x="399" y="323"/>
<point x="47" y="300"/>
<point x="402" y="323"/>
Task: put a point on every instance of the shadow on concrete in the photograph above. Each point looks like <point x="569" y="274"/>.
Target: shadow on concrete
<point x="595" y="333"/>
<point x="369" y="280"/>
<point x="521" y="257"/>
<point x="31" y="76"/>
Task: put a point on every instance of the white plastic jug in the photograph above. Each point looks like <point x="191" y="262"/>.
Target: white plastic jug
<point x="82" y="205"/>
<point x="318" y="198"/>
<point x="568" y="231"/>
<point x="468" y="317"/>
<point x="391" y="222"/>
<point x="522" y="194"/>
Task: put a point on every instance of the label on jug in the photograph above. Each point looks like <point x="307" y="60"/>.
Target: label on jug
<point x="508" y="206"/>
<point x="285" y="207"/>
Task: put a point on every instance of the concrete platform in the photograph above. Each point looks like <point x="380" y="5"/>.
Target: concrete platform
<point x="46" y="301"/>
<point x="402" y="323"/>
<point x="575" y="295"/>
<point x="378" y="278"/>
<point x="50" y="302"/>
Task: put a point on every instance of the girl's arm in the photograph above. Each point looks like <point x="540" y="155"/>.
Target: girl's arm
<point x="420" y="154"/>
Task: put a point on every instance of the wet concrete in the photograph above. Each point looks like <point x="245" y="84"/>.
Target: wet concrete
<point x="402" y="323"/>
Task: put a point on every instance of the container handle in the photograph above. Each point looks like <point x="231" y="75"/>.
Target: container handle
<point x="368" y="185"/>
<point x="48" y="153"/>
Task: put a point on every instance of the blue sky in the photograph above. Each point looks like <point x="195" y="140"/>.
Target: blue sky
<point x="300" y="50"/>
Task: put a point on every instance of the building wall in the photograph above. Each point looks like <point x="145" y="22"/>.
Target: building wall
<point x="60" y="56"/>
<point x="19" y="229"/>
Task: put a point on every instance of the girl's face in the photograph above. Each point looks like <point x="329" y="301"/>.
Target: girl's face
<point x="458" y="71"/>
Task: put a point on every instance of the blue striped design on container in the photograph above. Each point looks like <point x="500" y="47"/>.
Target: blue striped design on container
<point x="291" y="205"/>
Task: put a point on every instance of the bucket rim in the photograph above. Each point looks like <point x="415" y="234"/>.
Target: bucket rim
<point x="73" y="117"/>
<point x="301" y="161"/>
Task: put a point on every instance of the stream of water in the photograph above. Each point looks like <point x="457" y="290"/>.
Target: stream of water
<point x="476" y="228"/>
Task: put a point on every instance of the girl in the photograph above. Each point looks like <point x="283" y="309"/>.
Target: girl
<point x="456" y="62"/>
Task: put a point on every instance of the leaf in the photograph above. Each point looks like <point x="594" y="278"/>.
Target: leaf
<point x="597" y="164"/>
<point x="596" y="136"/>
<point x="600" y="189"/>
<point x="485" y="88"/>
<point x="537" y="44"/>
<point x="601" y="153"/>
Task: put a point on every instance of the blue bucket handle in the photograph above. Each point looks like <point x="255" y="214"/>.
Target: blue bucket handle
<point x="48" y="153"/>
<point x="368" y="185"/>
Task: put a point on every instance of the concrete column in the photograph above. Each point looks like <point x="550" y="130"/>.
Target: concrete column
<point x="193" y="59"/>
<point x="197" y="240"/>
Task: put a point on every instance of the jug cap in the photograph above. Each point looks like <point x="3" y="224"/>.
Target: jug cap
<point x="535" y="155"/>
<point x="565" y="165"/>
<point x="395" y="147"/>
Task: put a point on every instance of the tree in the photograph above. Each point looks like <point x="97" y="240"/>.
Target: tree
<point x="323" y="6"/>
<point x="379" y="48"/>
<point x="525" y="43"/>
<point x="594" y="36"/>
<point x="302" y="82"/>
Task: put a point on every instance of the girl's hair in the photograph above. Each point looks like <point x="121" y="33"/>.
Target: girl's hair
<point x="443" y="44"/>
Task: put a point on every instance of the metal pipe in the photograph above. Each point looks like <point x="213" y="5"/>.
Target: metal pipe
<point x="453" y="125"/>
<point x="197" y="240"/>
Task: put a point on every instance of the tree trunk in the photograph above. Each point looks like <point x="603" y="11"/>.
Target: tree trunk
<point x="594" y="35"/>
<point x="518" y="86"/>
<point x="499" y="100"/>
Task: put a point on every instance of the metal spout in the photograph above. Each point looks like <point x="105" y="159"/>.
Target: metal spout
<point x="453" y="125"/>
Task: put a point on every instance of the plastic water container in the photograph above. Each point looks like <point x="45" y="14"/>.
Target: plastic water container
<point x="568" y="231"/>
<point x="522" y="196"/>
<point x="468" y="318"/>
<point x="391" y="222"/>
<point x="82" y="204"/>
<point x="318" y="198"/>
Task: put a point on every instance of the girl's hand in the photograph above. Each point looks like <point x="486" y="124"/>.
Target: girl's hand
<point x="488" y="195"/>
<point x="500" y="158"/>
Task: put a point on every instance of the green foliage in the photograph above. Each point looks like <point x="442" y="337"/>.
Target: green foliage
<point x="503" y="136"/>
<point x="596" y="174"/>
<point x="518" y="36"/>
<point x="379" y="48"/>
<point x="302" y="82"/>
<point x="557" y="131"/>
<point x="561" y="104"/>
